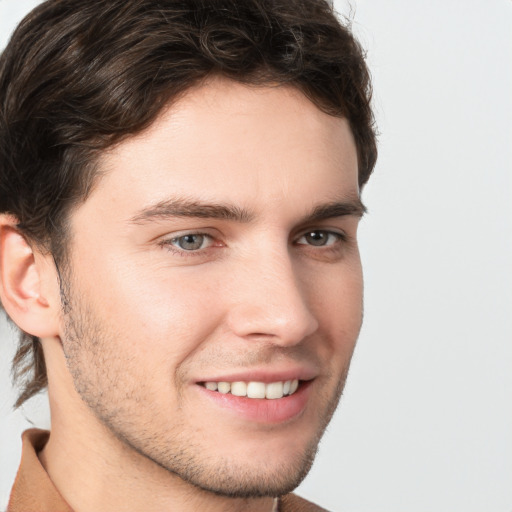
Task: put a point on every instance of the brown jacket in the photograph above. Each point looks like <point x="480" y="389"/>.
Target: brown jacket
<point x="33" y="490"/>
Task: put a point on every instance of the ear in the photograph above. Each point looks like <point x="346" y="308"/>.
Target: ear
<point x="28" y="298"/>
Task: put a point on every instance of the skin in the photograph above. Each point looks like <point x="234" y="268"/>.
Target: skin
<point x="148" y="320"/>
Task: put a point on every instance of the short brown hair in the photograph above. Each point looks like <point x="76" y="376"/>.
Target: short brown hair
<point x="79" y="76"/>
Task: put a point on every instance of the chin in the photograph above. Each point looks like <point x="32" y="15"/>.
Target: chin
<point x="248" y="480"/>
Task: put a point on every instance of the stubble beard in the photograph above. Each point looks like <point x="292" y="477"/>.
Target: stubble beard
<point x="87" y="345"/>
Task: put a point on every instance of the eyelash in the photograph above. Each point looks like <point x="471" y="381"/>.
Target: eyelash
<point x="339" y="237"/>
<point x="169" y="243"/>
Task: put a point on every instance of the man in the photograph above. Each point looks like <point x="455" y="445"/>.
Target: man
<point x="180" y="196"/>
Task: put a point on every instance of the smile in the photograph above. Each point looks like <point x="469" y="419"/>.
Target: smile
<point x="270" y="390"/>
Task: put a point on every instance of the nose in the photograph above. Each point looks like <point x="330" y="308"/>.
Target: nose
<point x="270" y="302"/>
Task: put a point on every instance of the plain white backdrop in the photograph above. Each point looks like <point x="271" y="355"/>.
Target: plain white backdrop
<point x="425" y="423"/>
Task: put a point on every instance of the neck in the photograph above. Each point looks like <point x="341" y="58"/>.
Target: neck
<point x="91" y="481"/>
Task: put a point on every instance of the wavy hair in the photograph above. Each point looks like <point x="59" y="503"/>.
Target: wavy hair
<point x="80" y="76"/>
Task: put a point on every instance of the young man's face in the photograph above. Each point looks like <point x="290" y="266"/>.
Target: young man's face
<point x="219" y="247"/>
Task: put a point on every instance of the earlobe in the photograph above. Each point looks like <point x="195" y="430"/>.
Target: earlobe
<point x="21" y="290"/>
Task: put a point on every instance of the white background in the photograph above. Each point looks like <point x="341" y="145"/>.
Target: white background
<point x="426" y="420"/>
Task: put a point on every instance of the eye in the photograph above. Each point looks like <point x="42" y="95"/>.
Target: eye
<point x="191" y="242"/>
<point x="320" y="238"/>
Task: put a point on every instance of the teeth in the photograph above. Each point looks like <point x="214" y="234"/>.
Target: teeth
<point x="211" y="386"/>
<point x="274" y="390"/>
<point x="223" y="387"/>
<point x="239" y="388"/>
<point x="270" y="391"/>
<point x="256" y="390"/>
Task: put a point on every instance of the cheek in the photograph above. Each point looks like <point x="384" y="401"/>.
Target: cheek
<point x="158" y="316"/>
<point x="338" y="305"/>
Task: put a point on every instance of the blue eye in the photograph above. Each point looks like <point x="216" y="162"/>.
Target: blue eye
<point x="191" y="242"/>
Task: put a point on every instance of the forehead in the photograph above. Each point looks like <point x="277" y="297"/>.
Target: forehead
<point x="229" y="142"/>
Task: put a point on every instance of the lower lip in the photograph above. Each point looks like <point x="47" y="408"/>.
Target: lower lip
<point x="262" y="410"/>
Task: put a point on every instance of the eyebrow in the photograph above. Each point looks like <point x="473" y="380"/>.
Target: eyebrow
<point x="181" y="207"/>
<point x="342" y="208"/>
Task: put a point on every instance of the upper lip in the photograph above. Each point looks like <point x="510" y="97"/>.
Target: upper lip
<point x="264" y="375"/>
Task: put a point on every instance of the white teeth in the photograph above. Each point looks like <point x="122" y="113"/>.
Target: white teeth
<point x="270" y="391"/>
<point x="256" y="390"/>
<point x="224" y="387"/>
<point x="274" y="390"/>
<point x="239" y="389"/>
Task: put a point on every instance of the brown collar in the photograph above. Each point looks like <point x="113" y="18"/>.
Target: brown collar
<point x="33" y="491"/>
